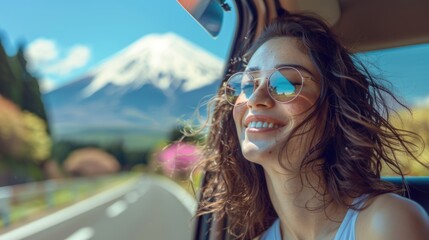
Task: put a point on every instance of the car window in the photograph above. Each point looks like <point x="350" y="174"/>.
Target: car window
<point x="406" y="69"/>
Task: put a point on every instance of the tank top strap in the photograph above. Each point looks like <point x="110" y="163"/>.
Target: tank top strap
<point x="347" y="229"/>
<point x="273" y="233"/>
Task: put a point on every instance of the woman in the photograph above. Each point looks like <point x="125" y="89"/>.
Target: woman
<point x="297" y="142"/>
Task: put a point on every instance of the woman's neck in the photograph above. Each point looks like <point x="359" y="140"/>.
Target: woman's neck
<point x="300" y="208"/>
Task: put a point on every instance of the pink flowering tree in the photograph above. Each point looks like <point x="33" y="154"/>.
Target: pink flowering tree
<point x="178" y="159"/>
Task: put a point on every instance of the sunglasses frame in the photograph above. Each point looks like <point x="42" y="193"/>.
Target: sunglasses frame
<point x="267" y="80"/>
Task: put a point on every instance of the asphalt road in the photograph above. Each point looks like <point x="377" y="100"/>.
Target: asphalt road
<point x="152" y="208"/>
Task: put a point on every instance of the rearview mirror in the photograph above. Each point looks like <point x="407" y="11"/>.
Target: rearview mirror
<point x="208" y="13"/>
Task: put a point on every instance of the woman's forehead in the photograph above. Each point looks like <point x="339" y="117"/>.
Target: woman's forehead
<point x="281" y="50"/>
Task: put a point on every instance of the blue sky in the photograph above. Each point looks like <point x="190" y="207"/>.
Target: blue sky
<point x="77" y="35"/>
<point x="89" y="31"/>
<point x="407" y="68"/>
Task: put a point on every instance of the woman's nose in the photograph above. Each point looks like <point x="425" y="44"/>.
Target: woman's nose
<point x="260" y="96"/>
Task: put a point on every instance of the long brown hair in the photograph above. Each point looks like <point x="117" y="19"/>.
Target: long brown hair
<point x="356" y="139"/>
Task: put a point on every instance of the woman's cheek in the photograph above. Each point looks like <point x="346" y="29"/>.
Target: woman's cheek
<point x="297" y="110"/>
<point x="301" y="105"/>
<point x="238" y="113"/>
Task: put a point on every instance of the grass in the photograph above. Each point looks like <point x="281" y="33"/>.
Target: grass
<point x="75" y="190"/>
<point x="133" y="138"/>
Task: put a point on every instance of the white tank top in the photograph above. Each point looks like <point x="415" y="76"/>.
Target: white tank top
<point x="346" y="231"/>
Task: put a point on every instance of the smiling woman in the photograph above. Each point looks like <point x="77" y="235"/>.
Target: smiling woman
<point x="305" y="163"/>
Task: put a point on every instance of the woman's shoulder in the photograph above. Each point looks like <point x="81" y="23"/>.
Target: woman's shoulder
<point x="390" y="216"/>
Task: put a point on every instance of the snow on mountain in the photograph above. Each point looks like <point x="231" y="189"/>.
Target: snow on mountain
<point x="149" y="84"/>
<point x="158" y="59"/>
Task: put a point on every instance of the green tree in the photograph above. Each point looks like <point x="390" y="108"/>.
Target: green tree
<point x="22" y="143"/>
<point x="138" y="157"/>
<point x="10" y="88"/>
<point x="117" y="149"/>
<point x="181" y="133"/>
<point x="12" y="131"/>
<point x="62" y="148"/>
<point x="38" y="141"/>
<point x="31" y="98"/>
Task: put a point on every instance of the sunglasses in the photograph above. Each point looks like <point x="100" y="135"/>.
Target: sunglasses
<point x="284" y="84"/>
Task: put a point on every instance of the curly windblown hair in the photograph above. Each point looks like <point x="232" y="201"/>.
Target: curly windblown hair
<point x="356" y="139"/>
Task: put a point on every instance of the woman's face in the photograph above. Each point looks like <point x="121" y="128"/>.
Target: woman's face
<point x="261" y="144"/>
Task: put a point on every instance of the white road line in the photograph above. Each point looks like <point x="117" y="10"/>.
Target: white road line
<point x="116" y="208"/>
<point x="143" y="186"/>
<point x="178" y="192"/>
<point x="82" y="234"/>
<point x="132" y="197"/>
<point x="67" y="213"/>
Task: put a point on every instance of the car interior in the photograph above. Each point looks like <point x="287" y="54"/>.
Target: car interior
<point x="361" y="25"/>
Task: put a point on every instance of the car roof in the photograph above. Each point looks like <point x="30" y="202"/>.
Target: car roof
<point x="361" y="25"/>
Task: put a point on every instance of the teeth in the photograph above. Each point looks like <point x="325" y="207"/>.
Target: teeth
<point x="262" y="125"/>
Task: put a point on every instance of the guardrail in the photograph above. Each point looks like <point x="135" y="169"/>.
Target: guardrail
<point x="22" y="201"/>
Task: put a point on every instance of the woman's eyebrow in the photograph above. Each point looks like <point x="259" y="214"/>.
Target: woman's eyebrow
<point x="299" y="67"/>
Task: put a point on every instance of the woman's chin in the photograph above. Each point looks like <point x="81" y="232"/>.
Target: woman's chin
<point x="259" y="152"/>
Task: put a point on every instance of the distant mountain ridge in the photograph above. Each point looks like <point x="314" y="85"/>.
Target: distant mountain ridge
<point x="149" y="85"/>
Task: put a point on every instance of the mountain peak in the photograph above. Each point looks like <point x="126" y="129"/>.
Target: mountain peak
<point x="166" y="61"/>
<point x="158" y="42"/>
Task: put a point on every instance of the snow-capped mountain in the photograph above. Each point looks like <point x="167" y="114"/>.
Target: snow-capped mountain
<point x="148" y="84"/>
<point x="165" y="61"/>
